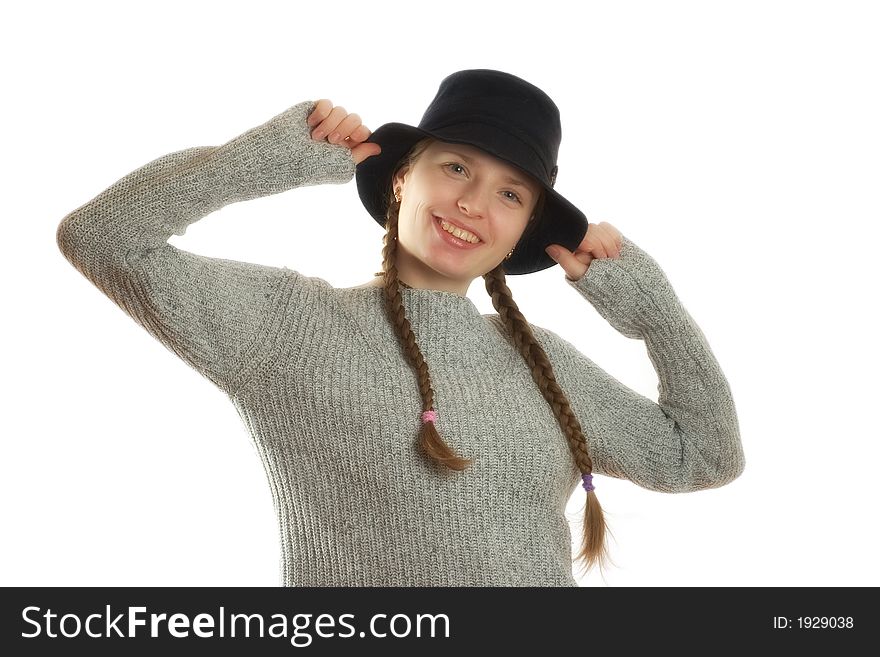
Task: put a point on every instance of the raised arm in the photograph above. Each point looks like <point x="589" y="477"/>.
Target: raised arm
<point x="211" y="312"/>
<point x="689" y="439"/>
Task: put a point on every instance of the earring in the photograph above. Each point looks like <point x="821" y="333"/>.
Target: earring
<point x="397" y="195"/>
<point x="507" y="257"/>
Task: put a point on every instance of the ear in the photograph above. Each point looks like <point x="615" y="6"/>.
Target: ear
<point x="399" y="180"/>
<point x="400" y="177"/>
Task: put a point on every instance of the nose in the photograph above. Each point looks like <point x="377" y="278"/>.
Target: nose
<point x="471" y="202"/>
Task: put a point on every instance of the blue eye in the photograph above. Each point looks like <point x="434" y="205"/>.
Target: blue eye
<point x="516" y="196"/>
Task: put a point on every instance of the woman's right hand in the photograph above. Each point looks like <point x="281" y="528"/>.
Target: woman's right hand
<point x="340" y="127"/>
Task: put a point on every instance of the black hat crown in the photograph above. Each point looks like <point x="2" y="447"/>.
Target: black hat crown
<point x="505" y="115"/>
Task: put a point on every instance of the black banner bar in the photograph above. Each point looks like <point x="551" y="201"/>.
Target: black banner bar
<point x="327" y="621"/>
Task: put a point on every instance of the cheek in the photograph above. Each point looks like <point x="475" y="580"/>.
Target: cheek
<point x="516" y="230"/>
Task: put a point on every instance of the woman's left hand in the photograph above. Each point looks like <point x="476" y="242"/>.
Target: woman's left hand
<point x="602" y="240"/>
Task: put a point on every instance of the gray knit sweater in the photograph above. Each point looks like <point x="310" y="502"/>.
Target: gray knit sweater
<point x="332" y="406"/>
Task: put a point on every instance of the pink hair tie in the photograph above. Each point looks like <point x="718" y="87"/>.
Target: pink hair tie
<point x="429" y="416"/>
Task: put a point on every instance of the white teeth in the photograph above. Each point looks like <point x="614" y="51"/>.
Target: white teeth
<point x="458" y="232"/>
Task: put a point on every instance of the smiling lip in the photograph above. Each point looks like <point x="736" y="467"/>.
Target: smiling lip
<point x="470" y="230"/>
<point x="451" y="239"/>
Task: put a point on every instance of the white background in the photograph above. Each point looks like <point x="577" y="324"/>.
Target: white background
<point x="736" y="142"/>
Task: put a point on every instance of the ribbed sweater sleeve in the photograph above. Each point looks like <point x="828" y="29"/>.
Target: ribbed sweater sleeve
<point x="213" y="313"/>
<point x="689" y="439"/>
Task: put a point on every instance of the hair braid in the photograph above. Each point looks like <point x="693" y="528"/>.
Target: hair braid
<point x="431" y="441"/>
<point x="594" y="548"/>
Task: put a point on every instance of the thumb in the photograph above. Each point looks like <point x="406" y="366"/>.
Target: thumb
<point x="362" y="151"/>
<point x="574" y="266"/>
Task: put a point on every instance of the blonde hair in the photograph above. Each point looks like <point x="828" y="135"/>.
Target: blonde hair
<point x="593" y="550"/>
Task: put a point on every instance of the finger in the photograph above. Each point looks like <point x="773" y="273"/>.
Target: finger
<point x="602" y="243"/>
<point x="344" y="129"/>
<point x="359" y="134"/>
<point x="612" y="246"/>
<point x="320" y="112"/>
<point x="329" y="124"/>
<point x="588" y="244"/>
<point x="585" y="259"/>
<point x="611" y="238"/>
<point x="595" y="247"/>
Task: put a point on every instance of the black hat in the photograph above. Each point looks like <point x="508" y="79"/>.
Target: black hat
<point x="506" y="117"/>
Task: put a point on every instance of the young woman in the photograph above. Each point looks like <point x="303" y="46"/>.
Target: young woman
<point x="408" y="439"/>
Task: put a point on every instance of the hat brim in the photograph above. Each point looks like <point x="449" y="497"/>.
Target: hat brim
<point x="559" y="223"/>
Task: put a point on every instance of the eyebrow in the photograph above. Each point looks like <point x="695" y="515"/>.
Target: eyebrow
<point x="510" y="179"/>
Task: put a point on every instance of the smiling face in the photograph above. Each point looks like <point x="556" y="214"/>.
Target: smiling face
<point x="472" y="191"/>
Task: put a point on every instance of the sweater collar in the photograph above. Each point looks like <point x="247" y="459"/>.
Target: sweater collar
<point x="446" y="325"/>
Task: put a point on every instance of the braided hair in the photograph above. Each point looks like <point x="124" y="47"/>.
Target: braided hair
<point x="593" y="549"/>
